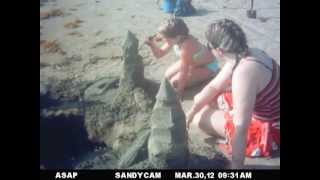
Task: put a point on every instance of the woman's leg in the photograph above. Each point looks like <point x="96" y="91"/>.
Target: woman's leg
<point x="210" y="121"/>
<point x="173" y="70"/>
<point x="195" y="76"/>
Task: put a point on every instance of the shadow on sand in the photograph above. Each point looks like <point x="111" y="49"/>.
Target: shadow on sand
<point x="256" y="163"/>
<point x="202" y="162"/>
<point x="203" y="12"/>
<point x="195" y="89"/>
<point x="63" y="138"/>
<point x="262" y="166"/>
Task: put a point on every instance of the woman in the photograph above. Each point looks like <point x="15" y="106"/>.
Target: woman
<point x="196" y="63"/>
<point x="246" y="94"/>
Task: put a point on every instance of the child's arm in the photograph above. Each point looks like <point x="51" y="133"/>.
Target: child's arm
<point x="156" y="51"/>
<point x="184" y="70"/>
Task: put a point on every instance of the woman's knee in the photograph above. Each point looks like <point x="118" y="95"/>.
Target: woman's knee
<point x="202" y="115"/>
<point x="204" y="123"/>
<point x="215" y="125"/>
<point x="203" y="120"/>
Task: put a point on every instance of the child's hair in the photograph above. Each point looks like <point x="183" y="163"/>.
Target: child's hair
<point x="227" y="35"/>
<point x="174" y="27"/>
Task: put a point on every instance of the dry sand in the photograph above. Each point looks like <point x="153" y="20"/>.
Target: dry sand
<point x="91" y="33"/>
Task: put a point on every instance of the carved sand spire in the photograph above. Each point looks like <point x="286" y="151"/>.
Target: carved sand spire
<point x="132" y="66"/>
<point x="168" y="142"/>
<point x="118" y="108"/>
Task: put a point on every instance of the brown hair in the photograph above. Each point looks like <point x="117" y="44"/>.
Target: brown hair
<point x="174" y="27"/>
<point x="227" y="35"/>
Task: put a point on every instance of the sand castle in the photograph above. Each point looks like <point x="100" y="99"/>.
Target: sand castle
<point x="165" y="145"/>
<point x="168" y="142"/>
<point x="132" y="74"/>
<point x="141" y="129"/>
<point x="119" y="113"/>
<point x="118" y="108"/>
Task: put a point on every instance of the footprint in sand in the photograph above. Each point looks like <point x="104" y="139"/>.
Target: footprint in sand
<point x="75" y="33"/>
<point x="97" y="33"/>
<point x="73" y="9"/>
<point x="51" y="13"/>
<point x="100" y="14"/>
<point x="43" y="64"/>
<point x="92" y="61"/>
<point x="74" y="24"/>
<point x="78" y="5"/>
<point x="74" y="58"/>
<point x="104" y="42"/>
<point x="95" y="59"/>
<point x="115" y="57"/>
<point x="51" y="47"/>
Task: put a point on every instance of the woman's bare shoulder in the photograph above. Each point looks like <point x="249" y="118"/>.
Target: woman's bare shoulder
<point x="251" y="75"/>
<point x="246" y="71"/>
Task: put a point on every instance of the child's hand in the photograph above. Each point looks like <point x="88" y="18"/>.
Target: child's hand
<point x="157" y="38"/>
<point x="180" y="92"/>
<point x="175" y="84"/>
<point x="197" y="98"/>
<point x="148" y="41"/>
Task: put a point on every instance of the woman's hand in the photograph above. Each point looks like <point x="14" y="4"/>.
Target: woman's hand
<point x="197" y="98"/>
<point x="190" y="115"/>
<point x="189" y="118"/>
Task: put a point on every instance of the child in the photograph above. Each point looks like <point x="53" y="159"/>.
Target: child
<point x="196" y="63"/>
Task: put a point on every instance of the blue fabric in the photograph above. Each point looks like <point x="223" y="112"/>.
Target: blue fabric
<point x="213" y="66"/>
<point x="168" y="6"/>
<point x="184" y="8"/>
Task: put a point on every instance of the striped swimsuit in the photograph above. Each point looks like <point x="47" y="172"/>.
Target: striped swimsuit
<point x="264" y="129"/>
<point x="267" y="105"/>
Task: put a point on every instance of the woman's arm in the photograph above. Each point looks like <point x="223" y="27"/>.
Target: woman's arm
<point x="244" y="90"/>
<point x="210" y="91"/>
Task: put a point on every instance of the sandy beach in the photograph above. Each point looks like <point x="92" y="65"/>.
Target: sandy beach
<point x="81" y="41"/>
